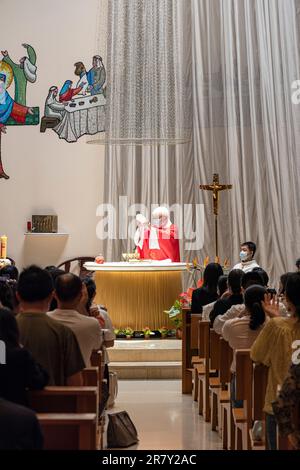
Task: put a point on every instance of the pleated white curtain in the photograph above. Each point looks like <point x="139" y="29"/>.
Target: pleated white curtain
<point x="245" y="56"/>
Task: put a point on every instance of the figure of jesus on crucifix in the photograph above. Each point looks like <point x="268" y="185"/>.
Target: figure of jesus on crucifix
<point x="216" y="188"/>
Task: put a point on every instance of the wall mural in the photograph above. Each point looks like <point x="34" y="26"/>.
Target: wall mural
<point x="14" y="111"/>
<point x="77" y="109"/>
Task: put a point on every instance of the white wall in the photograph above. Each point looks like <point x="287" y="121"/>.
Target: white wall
<point x="48" y="175"/>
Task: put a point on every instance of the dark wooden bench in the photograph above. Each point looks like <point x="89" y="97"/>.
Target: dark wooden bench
<point x="69" y="431"/>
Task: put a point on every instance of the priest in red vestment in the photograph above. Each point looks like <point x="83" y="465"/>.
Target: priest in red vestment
<point x="158" y="241"/>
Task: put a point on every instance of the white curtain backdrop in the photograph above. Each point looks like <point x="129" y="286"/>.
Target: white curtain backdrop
<point x="245" y="57"/>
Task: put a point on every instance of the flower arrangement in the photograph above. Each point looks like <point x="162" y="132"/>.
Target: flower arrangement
<point x="196" y="267"/>
<point x="128" y="332"/>
<point x="163" y="331"/>
<point x="147" y="332"/>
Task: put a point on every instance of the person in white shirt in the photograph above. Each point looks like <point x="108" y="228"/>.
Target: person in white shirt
<point x="247" y="253"/>
<point x="68" y="293"/>
<point x="242" y="332"/>
<point x="100" y="313"/>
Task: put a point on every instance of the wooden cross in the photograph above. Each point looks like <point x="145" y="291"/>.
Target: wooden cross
<point x="216" y="188"/>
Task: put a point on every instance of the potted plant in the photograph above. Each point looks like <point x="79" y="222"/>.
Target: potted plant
<point x="163" y="331"/>
<point x="175" y="314"/>
<point x="128" y="332"/>
<point x="147" y="332"/>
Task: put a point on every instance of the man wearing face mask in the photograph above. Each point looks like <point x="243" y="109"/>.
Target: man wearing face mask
<point x="163" y="237"/>
<point x="247" y="253"/>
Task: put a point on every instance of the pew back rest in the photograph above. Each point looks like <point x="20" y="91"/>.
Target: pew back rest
<point x="260" y="381"/>
<point x="195" y="318"/>
<point x="244" y="372"/>
<point x="226" y="356"/>
<point x="90" y="377"/>
<point x="68" y="431"/>
<point x="215" y="351"/>
<point x="204" y="342"/>
<point x="64" y="400"/>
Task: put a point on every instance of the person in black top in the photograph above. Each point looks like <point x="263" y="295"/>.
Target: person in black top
<point x="208" y="292"/>
<point x="11" y="272"/>
<point x="54" y="273"/>
<point x="235" y="295"/>
<point x="20" y="371"/>
<point x="222" y="285"/>
<point x="20" y="428"/>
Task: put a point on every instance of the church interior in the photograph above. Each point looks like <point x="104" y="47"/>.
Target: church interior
<point x="150" y="227"/>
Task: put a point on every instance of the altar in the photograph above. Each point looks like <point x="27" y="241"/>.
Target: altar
<point x="136" y="294"/>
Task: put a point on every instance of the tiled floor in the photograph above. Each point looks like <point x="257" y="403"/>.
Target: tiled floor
<point x="164" y="418"/>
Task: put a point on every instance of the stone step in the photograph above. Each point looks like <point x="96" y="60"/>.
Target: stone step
<point x="146" y="351"/>
<point x="144" y="355"/>
<point x="147" y="370"/>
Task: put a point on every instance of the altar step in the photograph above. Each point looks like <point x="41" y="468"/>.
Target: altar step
<point x="147" y="370"/>
<point x="146" y="359"/>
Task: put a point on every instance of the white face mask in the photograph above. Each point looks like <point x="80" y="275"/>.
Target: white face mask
<point x="156" y="222"/>
<point x="244" y="255"/>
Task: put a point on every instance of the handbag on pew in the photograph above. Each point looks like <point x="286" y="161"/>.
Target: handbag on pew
<point x="113" y="389"/>
<point x="121" y="432"/>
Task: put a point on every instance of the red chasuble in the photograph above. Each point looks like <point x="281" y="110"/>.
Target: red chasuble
<point x="168" y="245"/>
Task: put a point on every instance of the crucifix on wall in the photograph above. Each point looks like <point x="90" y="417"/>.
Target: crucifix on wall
<point x="13" y="111"/>
<point x="216" y="188"/>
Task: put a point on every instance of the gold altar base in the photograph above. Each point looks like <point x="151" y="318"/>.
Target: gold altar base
<point x="138" y="299"/>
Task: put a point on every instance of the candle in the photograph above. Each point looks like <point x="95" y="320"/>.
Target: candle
<point x="3" y="252"/>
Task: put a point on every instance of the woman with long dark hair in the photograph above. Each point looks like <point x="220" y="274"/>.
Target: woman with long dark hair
<point x="208" y="292"/>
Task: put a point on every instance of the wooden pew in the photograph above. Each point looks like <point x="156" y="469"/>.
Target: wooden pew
<point x="65" y="400"/>
<point x="227" y="423"/>
<point x="203" y="372"/>
<point x="198" y="359"/>
<point x="243" y="416"/>
<point x="189" y="347"/>
<point x="69" y="431"/>
<point x="90" y="377"/>
<point x="215" y="385"/>
<point x="259" y="386"/>
<point x="97" y="361"/>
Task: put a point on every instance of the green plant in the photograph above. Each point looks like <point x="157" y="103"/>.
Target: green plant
<point x="163" y="330"/>
<point x="128" y="331"/>
<point x="175" y="313"/>
<point x="147" y="331"/>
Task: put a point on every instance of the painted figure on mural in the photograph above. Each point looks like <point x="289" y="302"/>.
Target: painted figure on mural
<point x="53" y="108"/>
<point x="97" y="76"/>
<point x="79" y="108"/>
<point x="67" y="92"/>
<point x="8" y="107"/>
<point x="13" y="111"/>
<point x="82" y="83"/>
<point x="23" y="72"/>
